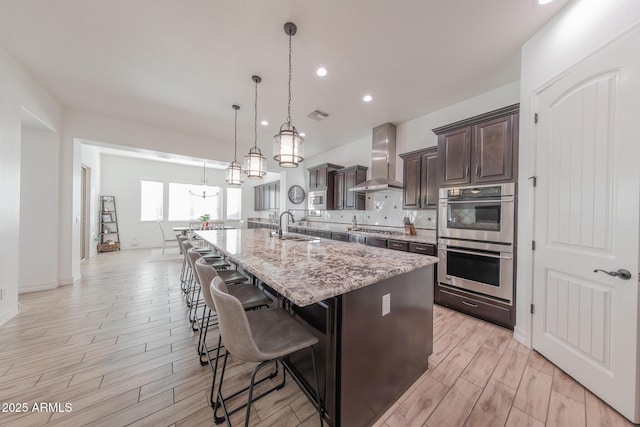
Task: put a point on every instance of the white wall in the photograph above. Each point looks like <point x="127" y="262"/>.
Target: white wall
<point x="578" y="30"/>
<point x="82" y="125"/>
<point x="17" y="90"/>
<point x="120" y="177"/>
<point x="38" y="211"/>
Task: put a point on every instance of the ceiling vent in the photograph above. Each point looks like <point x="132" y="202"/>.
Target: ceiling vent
<point x="318" y="115"/>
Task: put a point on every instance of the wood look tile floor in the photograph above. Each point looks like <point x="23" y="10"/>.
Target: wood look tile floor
<point x="118" y="347"/>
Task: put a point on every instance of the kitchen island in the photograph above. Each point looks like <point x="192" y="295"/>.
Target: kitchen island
<point x="371" y="308"/>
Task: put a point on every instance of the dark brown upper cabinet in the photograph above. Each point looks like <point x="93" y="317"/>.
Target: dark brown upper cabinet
<point x="319" y="176"/>
<point x="420" y="178"/>
<point x="343" y="180"/>
<point x="481" y="149"/>
<point x="267" y="196"/>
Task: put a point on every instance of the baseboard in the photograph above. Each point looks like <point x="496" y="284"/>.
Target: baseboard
<point x="35" y="287"/>
<point x="9" y="314"/>
<point x="521" y="337"/>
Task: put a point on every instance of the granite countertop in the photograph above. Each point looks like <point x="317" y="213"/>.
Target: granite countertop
<point x="307" y="272"/>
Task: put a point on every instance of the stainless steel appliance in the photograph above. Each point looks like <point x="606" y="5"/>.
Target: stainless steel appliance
<point x="317" y="200"/>
<point x="481" y="267"/>
<point x="484" y="213"/>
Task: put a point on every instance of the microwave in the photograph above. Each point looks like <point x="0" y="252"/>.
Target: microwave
<point x="317" y="200"/>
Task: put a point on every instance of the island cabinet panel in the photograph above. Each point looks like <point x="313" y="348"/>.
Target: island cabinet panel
<point x="420" y="178"/>
<point x="362" y="375"/>
<point x="481" y="149"/>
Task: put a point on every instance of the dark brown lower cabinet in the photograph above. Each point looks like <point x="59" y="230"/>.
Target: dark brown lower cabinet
<point x="476" y="305"/>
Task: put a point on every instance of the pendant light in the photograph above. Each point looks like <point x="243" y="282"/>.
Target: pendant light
<point x="255" y="163"/>
<point x="287" y="147"/>
<point x="234" y="171"/>
<point x="203" y="183"/>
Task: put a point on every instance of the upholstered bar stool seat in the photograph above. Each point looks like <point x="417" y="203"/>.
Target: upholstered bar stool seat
<point x="262" y="336"/>
<point x="249" y="296"/>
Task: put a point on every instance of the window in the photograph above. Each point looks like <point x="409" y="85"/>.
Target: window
<point x="151" y="200"/>
<point x="183" y="206"/>
<point x="234" y="203"/>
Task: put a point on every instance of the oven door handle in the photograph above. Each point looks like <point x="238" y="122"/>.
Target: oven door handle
<point x="457" y="202"/>
<point x="479" y="254"/>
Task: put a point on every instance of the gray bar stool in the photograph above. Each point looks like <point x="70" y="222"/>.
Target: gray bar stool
<point x="230" y="277"/>
<point x="249" y="296"/>
<point x="257" y="336"/>
<point x="184" y="274"/>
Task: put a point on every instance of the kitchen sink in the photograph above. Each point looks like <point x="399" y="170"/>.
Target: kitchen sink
<point x="298" y="238"/>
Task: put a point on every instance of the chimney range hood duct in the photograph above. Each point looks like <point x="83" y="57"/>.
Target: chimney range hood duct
<point x="383" y="161"/>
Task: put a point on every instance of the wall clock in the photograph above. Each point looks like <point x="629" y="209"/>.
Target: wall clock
<point x="296" y="194"/>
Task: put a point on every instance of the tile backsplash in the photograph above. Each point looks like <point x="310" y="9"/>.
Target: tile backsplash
<point x="384" y="208"/>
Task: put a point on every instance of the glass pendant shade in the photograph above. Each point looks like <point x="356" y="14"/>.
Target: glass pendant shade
<point x="287" y="147"/>
<point x="287" y="144"/>
<point x="234" y="174"/>
<point x="255" y="164"/>
<point x="234" y="171"/>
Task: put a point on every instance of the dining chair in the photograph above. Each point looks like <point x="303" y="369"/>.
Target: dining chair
<point x="262" y="336"/>
<point x="164" y="239"/>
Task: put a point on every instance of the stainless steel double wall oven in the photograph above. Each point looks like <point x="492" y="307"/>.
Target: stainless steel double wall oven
<point x="476" y="239"/>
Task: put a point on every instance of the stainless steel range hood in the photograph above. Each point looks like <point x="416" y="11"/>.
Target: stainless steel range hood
<point x="383" y="161"/>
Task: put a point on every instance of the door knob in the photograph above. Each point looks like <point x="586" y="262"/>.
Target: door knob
<point x="621" y="273"/>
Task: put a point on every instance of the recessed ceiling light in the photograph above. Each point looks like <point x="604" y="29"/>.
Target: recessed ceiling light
<point x="264" y="123"/>
<point x="543" y="2"/>
<point x="367" y="98"/>
<point x="321" y="71"/>
<point x="303" y="134"/>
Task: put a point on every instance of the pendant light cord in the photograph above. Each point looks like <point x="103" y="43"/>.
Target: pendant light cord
<point x="289" y="102"/>
<point x="255" y="119"/>
<point x="235" y="136"/>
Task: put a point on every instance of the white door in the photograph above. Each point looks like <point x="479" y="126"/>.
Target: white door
<point x="586" y="218"/>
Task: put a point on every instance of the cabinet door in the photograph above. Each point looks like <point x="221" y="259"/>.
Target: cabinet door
<point x="349" y="196"/>
<point x="429" y="177"/>
<point x="277" y="195"/>
<point x="493" y="150"/>
<point x="257" y="198"/>
<point x="338" y="191"/>
<point x="321" y="178"/>
<point x="454" y="150"/>
<point x="313" y="179"/>
<point x="265" y="198"/>
<point x="411" y="179"/>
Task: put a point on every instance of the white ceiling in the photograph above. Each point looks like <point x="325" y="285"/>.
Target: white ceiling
<point x="182" y="64"/>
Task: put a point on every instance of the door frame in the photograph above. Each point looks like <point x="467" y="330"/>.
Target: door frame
<point x="85" y="206"/>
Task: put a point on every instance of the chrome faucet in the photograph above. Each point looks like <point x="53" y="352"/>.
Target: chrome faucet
<point x="293" y="221"/>
<point x="354" y="223"/>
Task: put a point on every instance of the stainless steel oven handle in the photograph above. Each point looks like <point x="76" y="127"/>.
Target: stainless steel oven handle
<point x="479" y="254"/>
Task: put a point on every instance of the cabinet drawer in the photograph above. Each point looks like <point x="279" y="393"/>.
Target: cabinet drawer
<point x="473" y="306"/>
<point x="422" y="248"/>
<point x="398" y="245"/>
<point x="324" y="234"/>
<point x="343" y="237"/>
<point x="376" y="241"/>
<point x="312" y="232"/>
<point x="355" y="238"/>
